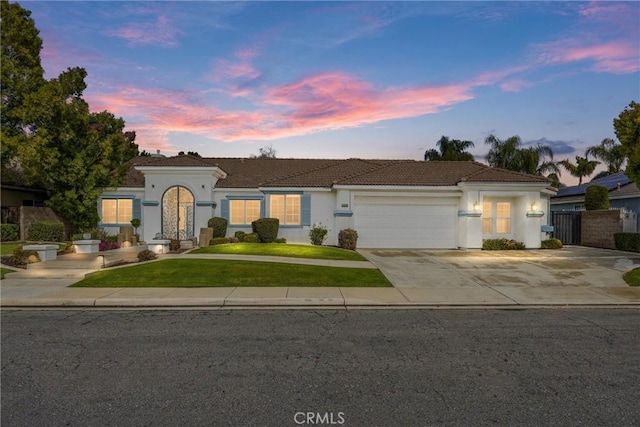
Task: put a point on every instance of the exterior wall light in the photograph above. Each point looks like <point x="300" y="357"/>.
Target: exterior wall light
<point x="535" y="207"/>
<point x="476" y="206"/>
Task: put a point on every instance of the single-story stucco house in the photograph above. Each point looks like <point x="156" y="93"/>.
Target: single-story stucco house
<point x="390" y="203"/>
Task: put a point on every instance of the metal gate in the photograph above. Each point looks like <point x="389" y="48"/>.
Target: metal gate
<point x="567" y="226"/>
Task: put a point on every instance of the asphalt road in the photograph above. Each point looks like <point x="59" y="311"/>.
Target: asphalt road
<point x="550" y="367"/>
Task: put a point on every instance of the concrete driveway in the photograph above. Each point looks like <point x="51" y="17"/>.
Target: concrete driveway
<point x="514" y="275"/>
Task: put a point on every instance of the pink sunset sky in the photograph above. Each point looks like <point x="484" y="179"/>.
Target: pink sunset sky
<point x="350" y="79"/>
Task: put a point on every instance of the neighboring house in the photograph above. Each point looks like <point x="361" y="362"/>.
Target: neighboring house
<point x="390" y="203"/>
<point x="623" y="194"/>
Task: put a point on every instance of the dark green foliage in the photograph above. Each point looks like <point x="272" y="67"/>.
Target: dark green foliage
<point x="348" y="239"/>
<point x="596" y="198"/>
<point x="146" y="255"/>
<point x="501" y="245"/>
<point x="240" y="235"/>
<point x="450" y="149"/>
<point x="629" y="242"/>
<point x="46" y="231"/>
<point x="218" y="241"/>
<point x="8" y="232"/>
<point x="22" y="257"/>
<point x="251" y="238"/>
<point x="551" y="244"/>
<point x="219" y="226"/>
<point x="318" y="234"/>
<point x="266" y="228"/>
<point x="627" y="130"/>
<point x="280" y="240"/>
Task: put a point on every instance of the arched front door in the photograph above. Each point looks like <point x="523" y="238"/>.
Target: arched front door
<point x="177" y="213"/>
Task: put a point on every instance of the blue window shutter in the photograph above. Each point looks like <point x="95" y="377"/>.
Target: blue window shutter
<point x="306" y="209"/>
<point x="263" y="208"/>
<point x="224" y="209"/>
<point x="137" y="209"/>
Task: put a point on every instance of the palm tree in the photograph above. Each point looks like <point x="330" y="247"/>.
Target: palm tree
<point x="450" y="150"/>
<point x="583" y="167"/>
<point x="508" y="154"/>
<point x="503" y="154"/>
<point x="555" y="180"/>
<point x="610" y="152"/>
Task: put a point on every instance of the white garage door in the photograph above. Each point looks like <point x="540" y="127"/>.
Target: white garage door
<point x="406" y="222"/>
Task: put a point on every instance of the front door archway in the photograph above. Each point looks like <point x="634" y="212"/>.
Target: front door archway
<point x="178" y="206"/>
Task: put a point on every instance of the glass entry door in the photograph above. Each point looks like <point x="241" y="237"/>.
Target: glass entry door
<point x="177" y="213"/>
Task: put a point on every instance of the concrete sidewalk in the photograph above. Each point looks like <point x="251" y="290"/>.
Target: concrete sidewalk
<point x="56" y="293"/>
<point x="48" y="287"/>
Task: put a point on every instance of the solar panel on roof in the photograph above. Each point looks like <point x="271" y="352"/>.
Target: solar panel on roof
<point x="610" y="182"/>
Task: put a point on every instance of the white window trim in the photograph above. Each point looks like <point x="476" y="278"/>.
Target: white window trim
<point x="284" y="220"/>
<point x="494" y="217"/>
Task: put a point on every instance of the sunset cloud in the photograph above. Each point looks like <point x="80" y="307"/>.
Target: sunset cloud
<point x="317" y="103"/>
<point x="617" y="57"/>
<point x="159" y="33"/>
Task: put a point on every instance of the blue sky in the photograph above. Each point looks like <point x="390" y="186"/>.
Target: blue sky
<point x="350" y="79"/>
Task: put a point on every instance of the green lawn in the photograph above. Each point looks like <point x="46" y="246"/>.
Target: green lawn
<point x="194" y="273"/>
<point x="4" y="271"/>
<point x="285" y="250"/>
<point x="7" y="248"/>
<point x="632" y="277"/>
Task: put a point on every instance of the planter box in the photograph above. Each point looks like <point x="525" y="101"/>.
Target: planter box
<point x="160" y="246"/>
<point x="86" y="246"/>
<point x="45" y="252"/>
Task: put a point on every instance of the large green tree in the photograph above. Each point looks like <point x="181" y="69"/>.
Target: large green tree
<point x="20" y="74"/>
<point x="60" y="144"/>
<point x="627" y="129"/>
<point x="450" y="150"/>
<point x="583" y="167"/>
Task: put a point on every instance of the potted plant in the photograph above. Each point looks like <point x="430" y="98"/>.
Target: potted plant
<point x="135" y="222"/>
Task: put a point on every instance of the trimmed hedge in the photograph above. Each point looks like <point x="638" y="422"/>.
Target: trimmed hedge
<point x="596" y="198"/>
<point x="240" y="235"/>
<point x="46" y="231"/>
<point x="629" y="242"/>
<point x="219" y="226"/>
<point x="348" y="239"/>
<point x="251" y="238"/>
<point x="280" y="240"/>
<point x="501" y="245"/>
<point x="218" y="241"/>
<point x="8" y="232"/>
<point x="551" y="244"/>
<point x="266" y="228"/>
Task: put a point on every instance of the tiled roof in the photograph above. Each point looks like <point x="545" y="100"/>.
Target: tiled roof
<point x="257" y="172"/>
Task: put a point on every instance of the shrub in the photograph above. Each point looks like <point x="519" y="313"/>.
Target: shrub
<point x="219" y="226"/>
<point x="551" y="244"/>
<point x="46" y="231"/>
<point x="629" y="242"/>
<point x="8" y="232"/>
<point x="174" y="245"/>
<point x="240" y="235"/>
<point x="146" y="255"/>
<point x="596" y="198"/>
<point x="107" y="245"/>
<point x="218" y="241"/>
<point x="22" y="257"/>
<point x="501" y="245"/>
<point x="251" y="238"/>
<point x="318" y="234"/>
<point x="232" y="240"/>
<point x="266" y="228"/>
<point x="280" y="240"/>
<point x="348" y="238"/>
